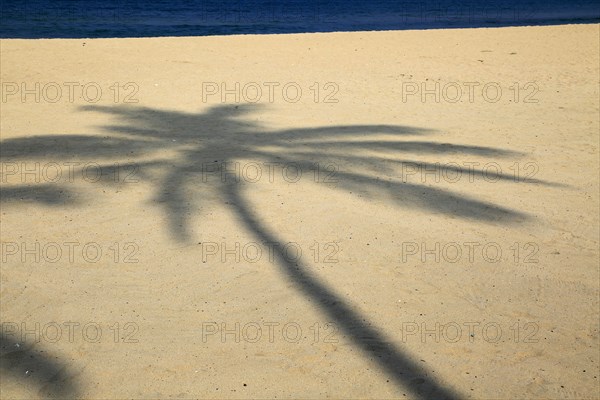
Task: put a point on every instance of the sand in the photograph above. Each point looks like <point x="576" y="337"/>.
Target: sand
<point x="366" y="215"/>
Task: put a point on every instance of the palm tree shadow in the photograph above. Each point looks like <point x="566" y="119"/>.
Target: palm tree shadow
<point x="213" y="141"/>
<point x="22" y="362"/>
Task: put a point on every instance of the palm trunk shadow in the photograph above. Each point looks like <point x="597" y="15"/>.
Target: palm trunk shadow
<point x="406" y="373"/>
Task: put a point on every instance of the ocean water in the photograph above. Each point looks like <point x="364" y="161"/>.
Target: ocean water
<point x="138" y="18"/>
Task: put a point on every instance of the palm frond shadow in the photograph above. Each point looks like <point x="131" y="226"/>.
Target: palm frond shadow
<point x="224" y="134"/>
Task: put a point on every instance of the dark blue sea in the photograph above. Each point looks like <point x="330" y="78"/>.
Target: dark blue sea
<point x="136" y="18"/>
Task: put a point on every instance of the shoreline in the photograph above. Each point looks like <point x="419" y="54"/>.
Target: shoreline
<point x="319" y="33"/>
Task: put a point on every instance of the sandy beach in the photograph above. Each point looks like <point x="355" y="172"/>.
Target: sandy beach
<point x="399" y="214"/>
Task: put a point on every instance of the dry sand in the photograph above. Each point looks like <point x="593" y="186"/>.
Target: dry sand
<point x="476" y="280"/>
